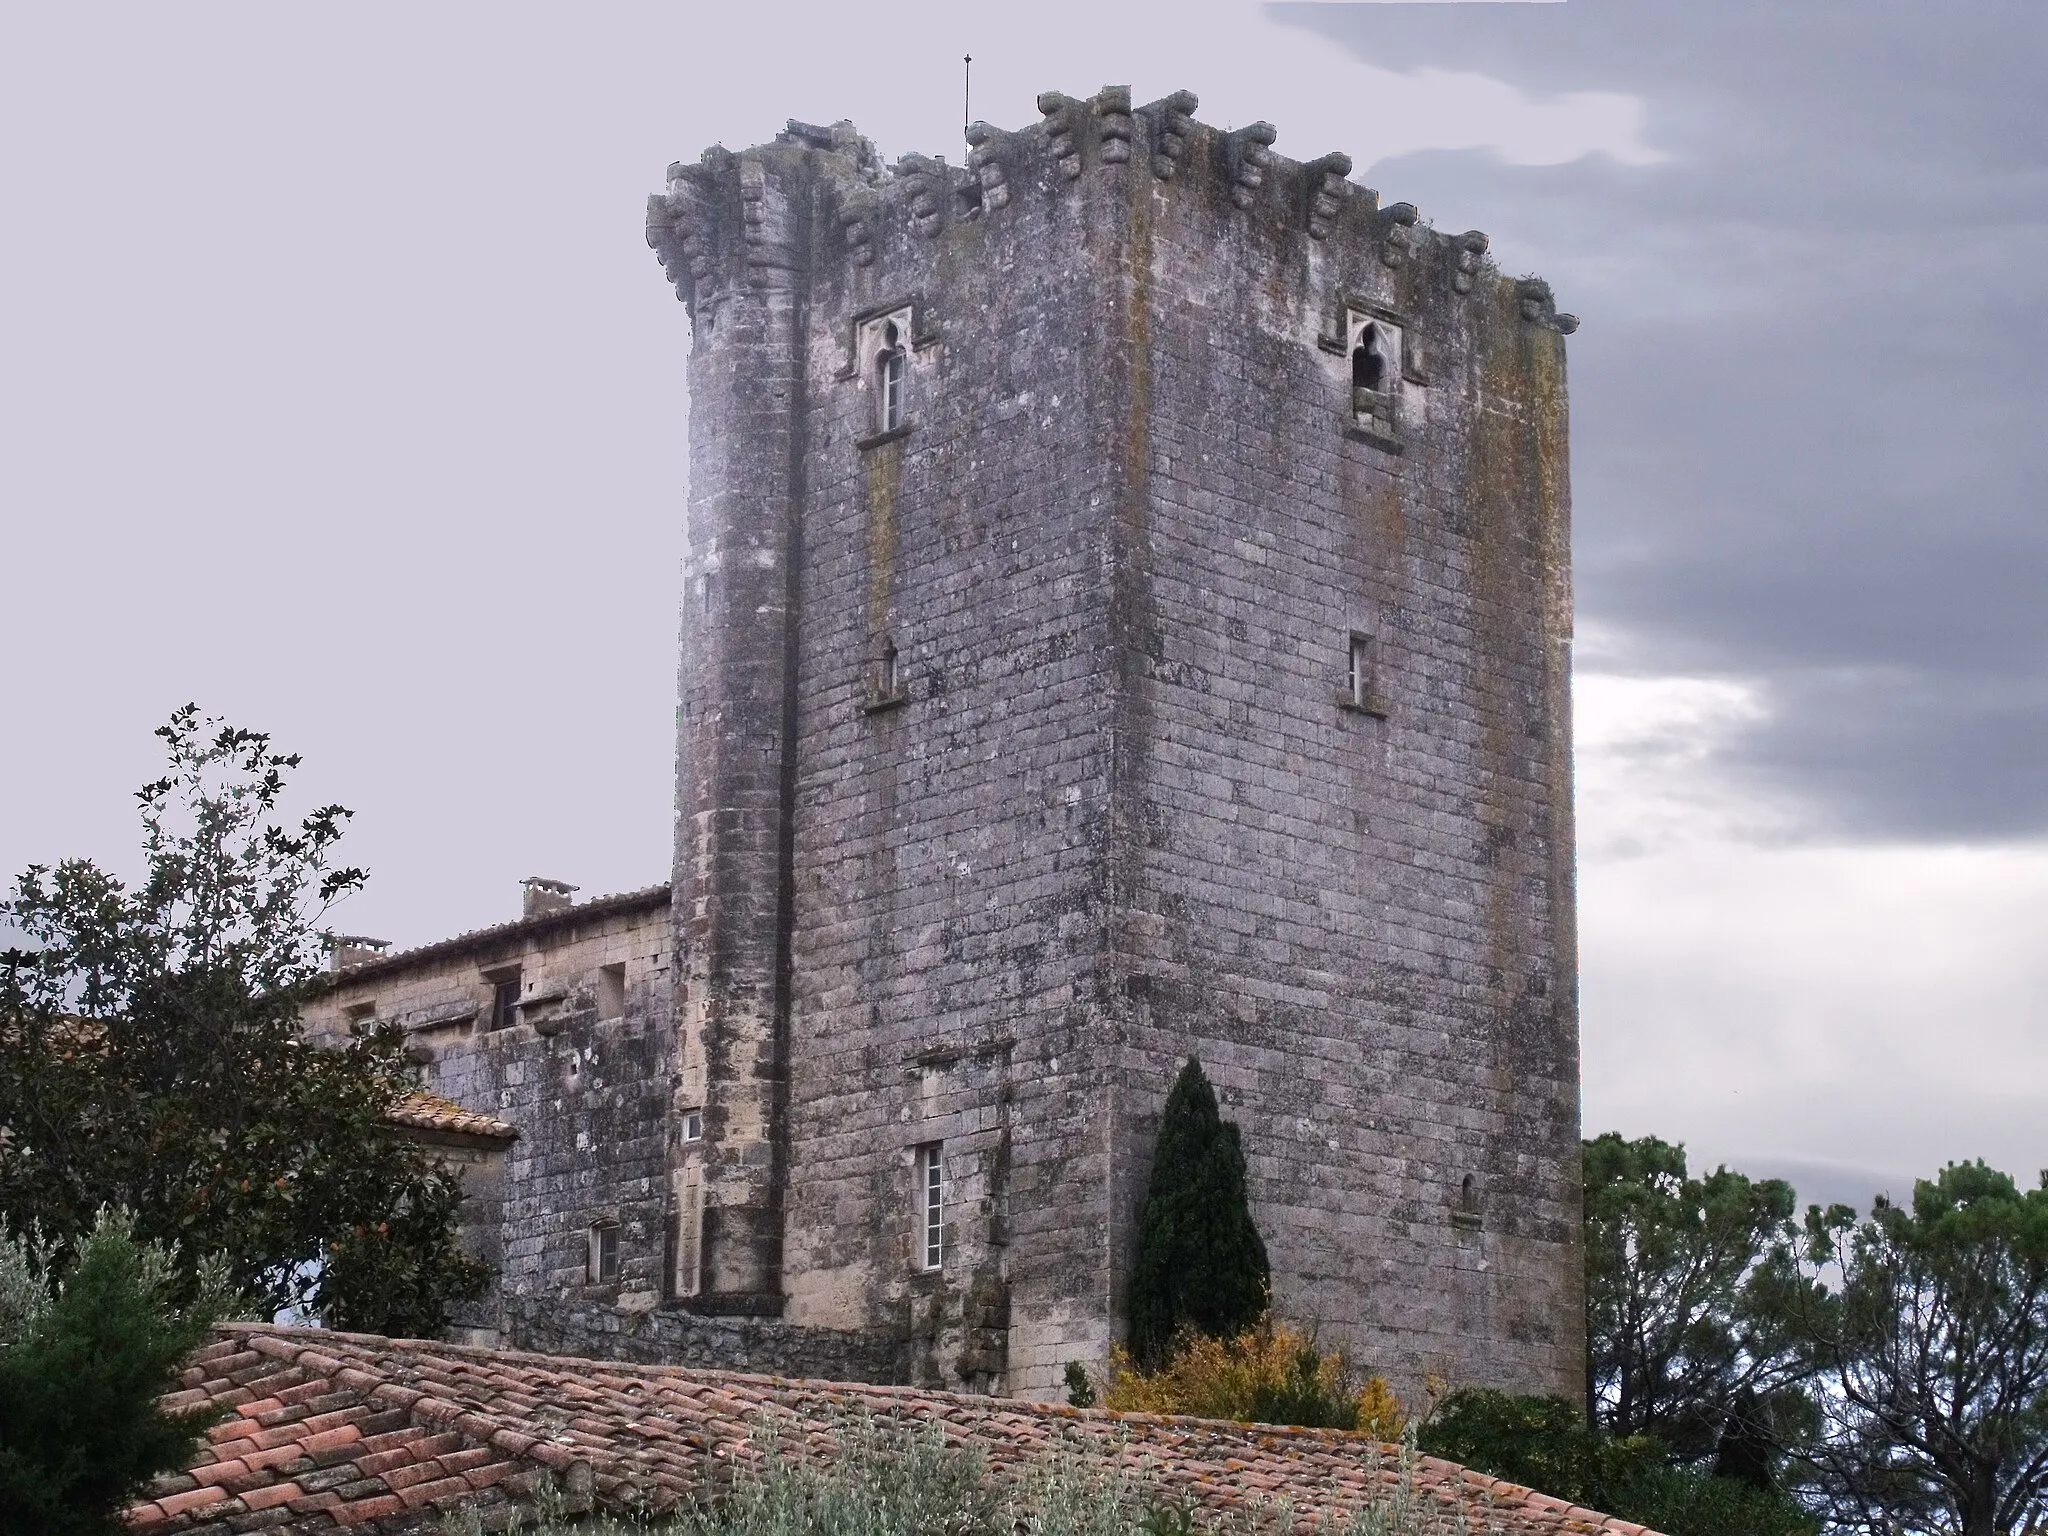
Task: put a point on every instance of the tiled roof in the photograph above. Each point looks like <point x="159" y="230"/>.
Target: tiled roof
<point x="478" y="938"/>
<point x="331" y="1430"/>
<point x="424" y="1111"/>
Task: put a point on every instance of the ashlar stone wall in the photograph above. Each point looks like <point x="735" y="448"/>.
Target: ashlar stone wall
<point x="1128" y="617"/>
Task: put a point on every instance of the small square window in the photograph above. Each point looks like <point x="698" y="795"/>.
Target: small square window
<point x="885" y="676"/>
<point x="602" y="1266"/>
<point x="693" y="1125"/>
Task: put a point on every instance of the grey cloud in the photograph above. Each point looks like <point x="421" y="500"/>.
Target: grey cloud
<point x="1809" y="395"/>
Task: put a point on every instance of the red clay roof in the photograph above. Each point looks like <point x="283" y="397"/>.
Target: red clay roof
<point x="424" y="1111"/>
<point x="481" y="938"/>
<point x="334" y="1430"/>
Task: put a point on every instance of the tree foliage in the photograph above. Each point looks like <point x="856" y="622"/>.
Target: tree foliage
<point x="1546" y="1444"/>
<point x="86" y="1353"/>
<point x="1932" y="1354"/>
<point x="151" y="1057"/>
<point x="1687" y="1283"/>
<point x="1200" y="1264"/>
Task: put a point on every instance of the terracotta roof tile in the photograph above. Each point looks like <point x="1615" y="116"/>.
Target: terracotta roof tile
<point x="478" y="938"/>
<point x="388" y="1435"/>
<point x="426" y="1111"/>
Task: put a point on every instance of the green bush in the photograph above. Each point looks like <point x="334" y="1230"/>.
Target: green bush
<point x="1543" y="1443"/>
<point x="84" y="1358"/>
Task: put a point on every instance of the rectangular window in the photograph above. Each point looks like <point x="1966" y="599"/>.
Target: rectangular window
<point x="611" y="991"/>
<point x="602" y="1267"/>
<point x="504" y="998"/>
<point x="892" y="388"/>
<point x="693" y="1125"/>
<point x="1361" y="690"/>
<point x="931" y="1190"/>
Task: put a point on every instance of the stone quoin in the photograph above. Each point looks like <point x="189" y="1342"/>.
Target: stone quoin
<point x="1126" y="617"/>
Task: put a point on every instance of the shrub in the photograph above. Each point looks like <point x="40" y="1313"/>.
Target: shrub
<point x="1543" y="1443"/>
<point x="1267" y="1374"/>
<point x="84" y="1359"/>
<point x="1200" y="1261"/>
<point x="889" y="1478"/>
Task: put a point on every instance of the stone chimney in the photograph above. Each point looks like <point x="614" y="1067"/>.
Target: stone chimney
<point x="546" y="896"/>
<point x="347" y="949"/>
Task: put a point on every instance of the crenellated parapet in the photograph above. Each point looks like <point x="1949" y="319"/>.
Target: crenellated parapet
<point x="737" y="218"/>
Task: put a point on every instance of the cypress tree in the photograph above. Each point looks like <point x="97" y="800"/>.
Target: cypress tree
<point x="1201" y="1264"/>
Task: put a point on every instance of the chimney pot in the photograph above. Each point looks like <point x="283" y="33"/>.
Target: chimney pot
<point x="544" y="895"/>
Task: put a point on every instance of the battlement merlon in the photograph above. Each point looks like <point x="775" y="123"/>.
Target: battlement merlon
<point x="728" y="219"/>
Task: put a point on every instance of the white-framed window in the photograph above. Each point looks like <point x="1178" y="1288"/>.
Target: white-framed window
<point x="1358" y="672"/>
<point x="693" y="1125"/>
<point x="882" y="362"/>
<point x="602" y="1265"/>
<point x="892" y="368"/>
<point x="931" y="1205"/>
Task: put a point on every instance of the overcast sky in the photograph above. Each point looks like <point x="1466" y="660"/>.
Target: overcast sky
<point x="339" y="392"/>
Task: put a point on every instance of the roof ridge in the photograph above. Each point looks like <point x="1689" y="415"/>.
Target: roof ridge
<point x="538" y="922"/>
<point x="364" y="1428"/>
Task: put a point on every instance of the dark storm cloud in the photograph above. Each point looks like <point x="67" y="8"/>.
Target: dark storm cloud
<point x="1810" y="403"/>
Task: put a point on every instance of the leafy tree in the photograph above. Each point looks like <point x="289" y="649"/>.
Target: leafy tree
<point x="85" y="1357"/>
<point x="151" y="1057"/>
<point x="1687" y="1283"/>
<point x="1934" y="1357"/>
<point x="1201" y="1264"/>
<point x="1545" y="1443"/>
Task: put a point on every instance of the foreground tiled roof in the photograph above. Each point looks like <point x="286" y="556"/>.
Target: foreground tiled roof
<point x="336" y="1430"/>
<point x="424" y="1111"/>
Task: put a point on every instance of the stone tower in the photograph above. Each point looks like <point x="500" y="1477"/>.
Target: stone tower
<point x="1127" y="617"/>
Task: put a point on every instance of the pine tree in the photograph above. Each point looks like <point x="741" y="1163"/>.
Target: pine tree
<point x="87" y="1351"/>
<point x="1201" y="1264"/>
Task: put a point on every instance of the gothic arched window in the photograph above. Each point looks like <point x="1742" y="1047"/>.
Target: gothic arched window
<point x="891" y="379"/>
<point x="1369" y="361"/>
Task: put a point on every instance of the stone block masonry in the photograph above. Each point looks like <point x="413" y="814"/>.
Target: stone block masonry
<point x="1128" y="617"/>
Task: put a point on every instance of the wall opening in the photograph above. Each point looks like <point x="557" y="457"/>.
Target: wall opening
<point x="1361" y="687"/>
<point x="504" y="997"/>
<point x="601" y="1266"/>
<point x="611" y="991"/>
<point x="687" y="1225"/>
<point x="931" y="1205"/>
<point x="1369" y="361"/>
<point x="892" y="378"/>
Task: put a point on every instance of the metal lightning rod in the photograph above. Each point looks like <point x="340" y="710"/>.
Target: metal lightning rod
<point x="966" y="91"/>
